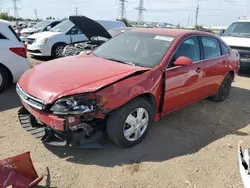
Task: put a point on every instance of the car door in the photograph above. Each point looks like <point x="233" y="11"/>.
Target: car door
<point x="76" y="35"/>
<point x="214" y="64"/>
<point x="182" y="84"/>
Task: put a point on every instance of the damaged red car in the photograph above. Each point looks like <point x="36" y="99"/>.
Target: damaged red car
<point x="124" y="85"/>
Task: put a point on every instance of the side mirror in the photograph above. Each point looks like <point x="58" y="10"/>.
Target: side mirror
<point x="222" y="31"/>
<point x="183" y="61"/>
<point x="74" y="31"/>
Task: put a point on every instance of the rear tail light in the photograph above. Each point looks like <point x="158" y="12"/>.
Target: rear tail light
<point x="19" y="51"/>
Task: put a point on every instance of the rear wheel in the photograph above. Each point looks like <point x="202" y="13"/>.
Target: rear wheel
<point x="128" y="125"/>
<point x="57" y="50"/>
<point x="4" y="78"/>
<point x="224" y="89"/>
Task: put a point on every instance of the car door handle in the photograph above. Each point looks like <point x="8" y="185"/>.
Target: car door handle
<point x="224" y="62"/>
<point x="198" y="70"/>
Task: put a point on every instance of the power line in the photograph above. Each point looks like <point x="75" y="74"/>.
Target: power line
<point x="197" y="15"/>
<point x="15" y="7"/>
<point x="140" y="9"/>
<point x="122" y="9"/>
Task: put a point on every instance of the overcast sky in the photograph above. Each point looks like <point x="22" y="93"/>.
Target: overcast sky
<point x="212" y="12"/>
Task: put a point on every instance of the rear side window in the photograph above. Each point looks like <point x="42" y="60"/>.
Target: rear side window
<point x="211" y="47"/>
<point x="224" y="49"/>
<point x="14" y="33"/>
<point x="2" y="36"/>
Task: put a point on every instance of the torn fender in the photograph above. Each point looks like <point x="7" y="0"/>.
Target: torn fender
<point x="18" y="172"/>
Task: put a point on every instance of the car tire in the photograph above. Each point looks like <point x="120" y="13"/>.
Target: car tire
<point x="4" y="78"/>
<point x="224" y="89"/>
<point x="117" y="123"/>
<point x="57" y="50"/>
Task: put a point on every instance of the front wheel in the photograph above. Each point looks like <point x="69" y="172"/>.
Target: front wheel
<point x="57" y="50"/>
<point x="224" y="89"/>
<point x="128" y="125"/>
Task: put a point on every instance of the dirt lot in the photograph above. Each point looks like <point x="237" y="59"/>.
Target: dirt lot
<point x="193" y="147"/>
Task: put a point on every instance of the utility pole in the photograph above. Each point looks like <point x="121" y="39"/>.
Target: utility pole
<point x="76" y="10"/>
<point x="122" y="9"/>
<point x="189" y="19"/>
<point x="15" y="7"/>
<point x="35" y="11"/>
<point x="140" y="9"/>
<point x="197" y="15"/>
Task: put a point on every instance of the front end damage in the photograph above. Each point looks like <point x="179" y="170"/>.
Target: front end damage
<point x="81" y="131"/>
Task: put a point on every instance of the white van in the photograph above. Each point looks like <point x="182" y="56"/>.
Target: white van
<point x="237" y="36"/>
<point x="52" y="43"/>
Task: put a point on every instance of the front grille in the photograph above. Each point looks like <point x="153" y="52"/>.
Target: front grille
<point x="30" y="41"/>
<point x="30" y="100"/>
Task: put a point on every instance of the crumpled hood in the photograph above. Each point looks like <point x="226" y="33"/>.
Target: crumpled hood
<point x="69" y="76"/>
<point x="29" y="30"/>
<point x="45" y="34"/>
<point x="236" y="41"/>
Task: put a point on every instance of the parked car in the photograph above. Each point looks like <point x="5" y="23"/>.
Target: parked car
<point x="93" y="40"/>
<point x="31" y="24"/>
<point x="45" y="25"/>
<point x="13" y="61"/>
<point x="124" y="85"/>
<point x="237" y="37"/>
<point x="53" y="42"/>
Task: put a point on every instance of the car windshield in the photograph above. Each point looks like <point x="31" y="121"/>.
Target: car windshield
<point x="42" y="24"/>
<point x="62" y="27"/>
<point x="238" y="29"/>
<point x="136" y="48"/>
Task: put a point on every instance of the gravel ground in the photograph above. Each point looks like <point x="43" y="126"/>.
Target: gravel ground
<point x="191" y="148"/>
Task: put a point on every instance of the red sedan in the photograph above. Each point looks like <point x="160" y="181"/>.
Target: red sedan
<point x="124" y="85"/>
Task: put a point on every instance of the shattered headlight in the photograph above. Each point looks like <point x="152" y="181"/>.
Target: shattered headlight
<point x="78" y="104"/>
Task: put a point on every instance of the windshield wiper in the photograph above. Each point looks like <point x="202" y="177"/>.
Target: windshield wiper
<point x="119" y="61"/>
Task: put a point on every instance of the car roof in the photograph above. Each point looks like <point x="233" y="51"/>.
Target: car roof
<point x="170" y="32"/>
<point x="243" y="20"/>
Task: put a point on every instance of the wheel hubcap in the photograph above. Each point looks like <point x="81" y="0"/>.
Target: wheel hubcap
<point x="59" y="51"/>
<point x="136" y="124"/>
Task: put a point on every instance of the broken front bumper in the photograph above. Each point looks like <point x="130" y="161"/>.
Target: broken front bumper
<point x="45" y="127"/>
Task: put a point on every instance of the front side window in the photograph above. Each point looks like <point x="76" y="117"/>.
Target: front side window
<point x="188" y="48"/>
<point x="211" y="47"/>
<point x="136" y="48"/>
